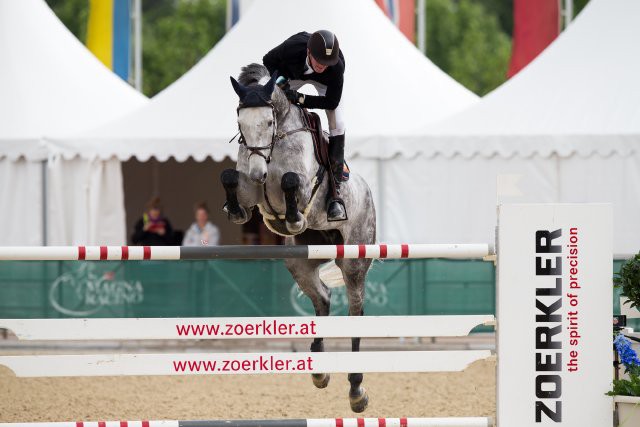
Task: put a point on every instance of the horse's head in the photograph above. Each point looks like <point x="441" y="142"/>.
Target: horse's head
<point x="257" y="124"/>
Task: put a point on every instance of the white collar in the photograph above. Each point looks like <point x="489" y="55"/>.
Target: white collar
<point x="309" y="69"/>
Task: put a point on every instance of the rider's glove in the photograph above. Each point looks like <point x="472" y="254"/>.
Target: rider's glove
<point x="294" y="96"/>
<point x="282" y="82"/>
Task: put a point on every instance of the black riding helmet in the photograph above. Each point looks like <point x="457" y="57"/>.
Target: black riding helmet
<point x="324" y="47"/>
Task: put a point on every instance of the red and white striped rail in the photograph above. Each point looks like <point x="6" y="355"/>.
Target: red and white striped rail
<point x="168" y="253"/>
<point x="310" y="422"/>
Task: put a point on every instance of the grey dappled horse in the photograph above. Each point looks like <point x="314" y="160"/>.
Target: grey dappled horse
<point x="276" y="171"/>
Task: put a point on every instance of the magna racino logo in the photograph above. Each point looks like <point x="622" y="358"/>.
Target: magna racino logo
<point x="90" y="288"/>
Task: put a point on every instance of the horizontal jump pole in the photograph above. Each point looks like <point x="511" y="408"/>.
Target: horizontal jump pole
<point x="245" y="327"/>
<point x="97" y="365"/>
<point x="309" y="422"/>
<point x="172" y="253"/>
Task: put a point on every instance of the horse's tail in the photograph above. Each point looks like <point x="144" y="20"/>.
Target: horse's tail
<point x="331" y="275"/>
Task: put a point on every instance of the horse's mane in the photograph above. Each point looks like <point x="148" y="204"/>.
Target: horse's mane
<point x="252" y="74"/>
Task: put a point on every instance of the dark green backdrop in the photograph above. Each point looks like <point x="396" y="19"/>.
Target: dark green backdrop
<point x="47" y="289"/>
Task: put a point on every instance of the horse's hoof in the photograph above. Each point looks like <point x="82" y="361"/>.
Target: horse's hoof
<point x="359" y="401"/>
<point x="298" y="226"/>
<point x="241" y="217"/>
<point x="320" y="380"/>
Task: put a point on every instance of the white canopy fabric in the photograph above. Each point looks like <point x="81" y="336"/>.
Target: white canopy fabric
<point x="565" y="129"/>
<point x="389" y="86"/>
<point x="579" y="96"/>
<point x="50" y="84"/>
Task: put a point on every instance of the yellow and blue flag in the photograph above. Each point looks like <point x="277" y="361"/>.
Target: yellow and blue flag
<point x="109" y="34"/>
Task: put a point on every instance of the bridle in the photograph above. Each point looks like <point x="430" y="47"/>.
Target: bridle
<point x="259" y="150"/>
<point x="276" y="136"/>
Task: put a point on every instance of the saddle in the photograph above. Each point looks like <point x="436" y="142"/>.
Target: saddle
<point x="321" y="142"/>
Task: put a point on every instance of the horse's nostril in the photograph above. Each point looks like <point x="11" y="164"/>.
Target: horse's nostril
<point x="264" y="177"/>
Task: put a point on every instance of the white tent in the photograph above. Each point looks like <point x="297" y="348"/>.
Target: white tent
<point x="567" y="127"/>
<point x="390" y="87"/>
<point x="49" y="85"/>
<point x="196" y="115"/>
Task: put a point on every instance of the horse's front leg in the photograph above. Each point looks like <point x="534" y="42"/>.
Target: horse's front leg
<point x="242" y="195"/>
<point x="291" y="185"/>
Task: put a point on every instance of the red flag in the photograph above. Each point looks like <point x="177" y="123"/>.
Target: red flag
<point x="536" y="23"/>
<point x="401" y="13"/>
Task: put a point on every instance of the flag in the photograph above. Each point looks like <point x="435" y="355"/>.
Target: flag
<point x="109" y="32"/>
<point x="402" y="13"/>
<point x="233" y="13"/>
<point x="536" y="23"/>
<point x="235" y="10"/>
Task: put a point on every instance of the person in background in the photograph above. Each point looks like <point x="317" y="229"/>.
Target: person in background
<point x="153" y="229"/>
<point x="202" y="232"/>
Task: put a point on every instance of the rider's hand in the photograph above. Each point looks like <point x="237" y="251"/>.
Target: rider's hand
<point x="282" y="82"/>
<point x="294" y="96"/>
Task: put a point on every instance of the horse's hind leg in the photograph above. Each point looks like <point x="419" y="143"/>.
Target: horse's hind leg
<point x="305" y="273"/>
<point x="354" y="272"/>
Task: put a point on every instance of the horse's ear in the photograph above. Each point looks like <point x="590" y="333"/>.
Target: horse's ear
<point x="271" y="84"/>
<point x="240" y="90"/>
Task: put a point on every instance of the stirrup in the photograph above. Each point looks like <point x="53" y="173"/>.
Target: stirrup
<point x="342" y="216"/>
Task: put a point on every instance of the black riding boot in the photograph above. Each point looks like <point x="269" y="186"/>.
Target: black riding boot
<point x="336" y="211"/>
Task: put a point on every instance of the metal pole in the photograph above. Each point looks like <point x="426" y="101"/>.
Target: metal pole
<point x="44" y="202"/>
<point x="422" y="25"/>
<point x="137" y="36"/>
<point x="228" y="15"/>
<point x="568" y="12"/>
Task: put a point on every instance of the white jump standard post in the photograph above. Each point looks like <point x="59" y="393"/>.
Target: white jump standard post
<point x="554" y="311"/>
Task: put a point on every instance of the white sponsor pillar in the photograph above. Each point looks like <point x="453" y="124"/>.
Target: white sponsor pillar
<point x="554" y="310"/>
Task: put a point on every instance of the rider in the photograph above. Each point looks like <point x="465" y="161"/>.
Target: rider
<point x="316" y="59"/>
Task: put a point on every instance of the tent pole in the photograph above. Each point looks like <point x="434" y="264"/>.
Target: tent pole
<point x="229" y="16"/>
<point x="44" y="201"/>
<point x="568" y="12"/>
<point x="422" y="25"/>
<point x="137" y="44"/>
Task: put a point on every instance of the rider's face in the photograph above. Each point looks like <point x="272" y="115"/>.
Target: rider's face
<point x="317" y="67"/>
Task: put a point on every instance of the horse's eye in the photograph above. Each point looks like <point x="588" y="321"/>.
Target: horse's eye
<point x="270" y="123"/>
